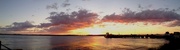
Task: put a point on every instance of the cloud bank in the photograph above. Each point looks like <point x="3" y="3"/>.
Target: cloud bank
<point x="18" y="26"/>
<point x="156" y="16"/>
<point x="62" y="22"/>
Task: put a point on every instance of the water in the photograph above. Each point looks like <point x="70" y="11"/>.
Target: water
<point x="78" y="43"/>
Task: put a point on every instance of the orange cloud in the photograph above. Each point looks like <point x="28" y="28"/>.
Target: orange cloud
<point x="63" y="22"/>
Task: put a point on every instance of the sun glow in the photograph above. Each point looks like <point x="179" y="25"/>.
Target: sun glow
<point x="118" y="28"/>
<point x="99" y="29"/>
<point x="94" y="30"/>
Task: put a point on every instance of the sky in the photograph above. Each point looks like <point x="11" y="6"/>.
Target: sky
<point x="89" y="16"/>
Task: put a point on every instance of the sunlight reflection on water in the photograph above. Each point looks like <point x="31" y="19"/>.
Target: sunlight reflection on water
<point x="78" y="43"/>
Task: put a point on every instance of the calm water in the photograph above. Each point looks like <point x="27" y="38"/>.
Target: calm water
<point x="78" y="42"/>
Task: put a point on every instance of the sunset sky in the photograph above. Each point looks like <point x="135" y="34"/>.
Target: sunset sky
<point x="83" y="17"/>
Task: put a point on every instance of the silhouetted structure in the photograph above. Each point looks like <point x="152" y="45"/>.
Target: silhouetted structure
<point x="165" y="36"/>
<point x="133" y="36"/>
<point x="174" y="42"/>
<point x="4" y="46"/>
<point x="7" y="48"/>
<point x="173" y="38"/>
<point x="167" y="33"/>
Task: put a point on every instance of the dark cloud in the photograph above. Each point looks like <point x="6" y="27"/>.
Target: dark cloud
<point x="66" y="3"/>
<point x="42" y="25"/>
<point x="18" y="26"/>
<point x="53" y="13"/>
<point x="143" y="7"/>
<point x="62" y="22"/>
<point x="53" y="6"/>
<point x="147" y="16"/>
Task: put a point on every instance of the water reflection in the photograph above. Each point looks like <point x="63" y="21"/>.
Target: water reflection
<point x="101" y="43"/>
<point x="26" y="42"/>
<point x="79" y="43"/>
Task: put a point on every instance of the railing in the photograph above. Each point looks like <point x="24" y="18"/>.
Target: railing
<point x="4" y="46"/>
